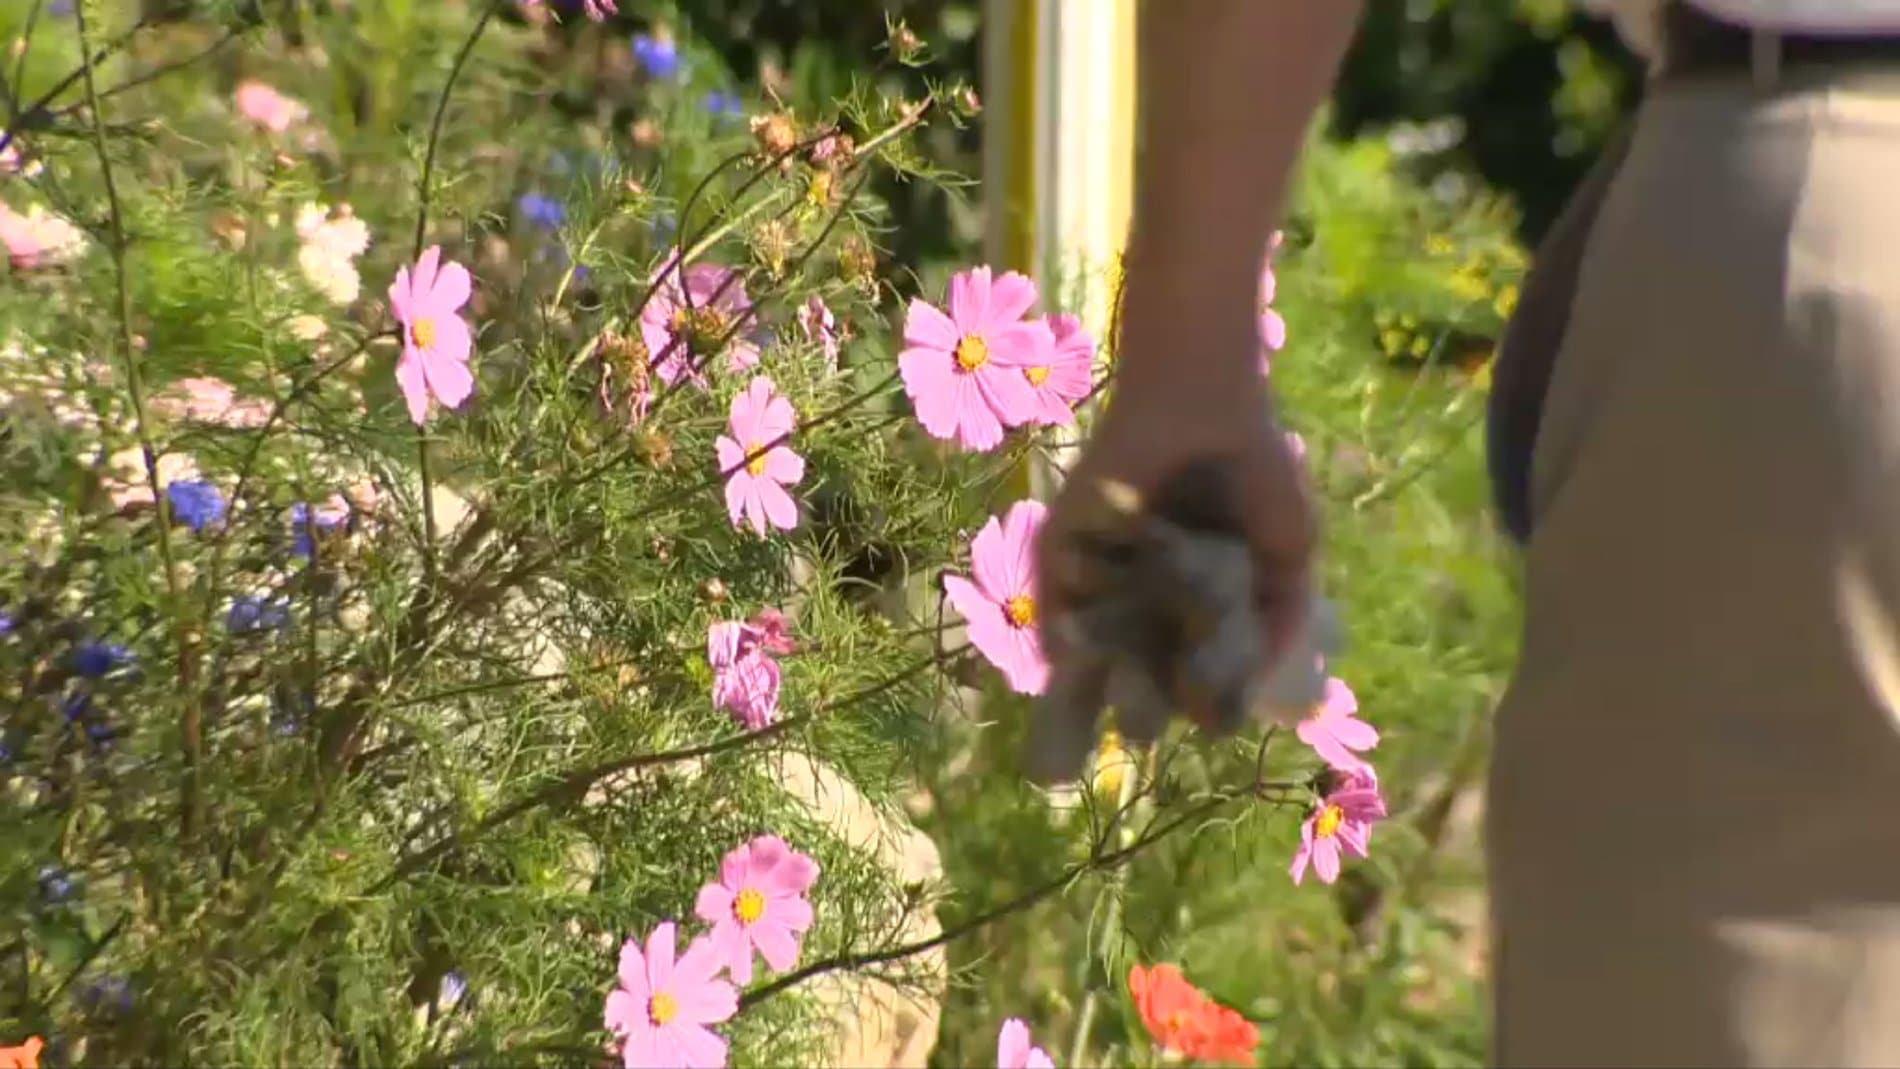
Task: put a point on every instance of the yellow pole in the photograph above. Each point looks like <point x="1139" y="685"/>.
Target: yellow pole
<point x="1058" y="172"/>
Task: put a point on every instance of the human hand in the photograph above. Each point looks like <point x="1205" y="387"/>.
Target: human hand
<point x="1199" y="446"/>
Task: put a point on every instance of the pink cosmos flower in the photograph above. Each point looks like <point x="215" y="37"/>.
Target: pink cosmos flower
<point x="662" y="1007"/>
<point x="681" y="326"/>
<point x="1000" y="607"/>
<point x="210" y="400"/>
<point x="1014" y="1050"/>
<point x="1344" y="816"/>
<point x="758" y="903"/>
<point x="820" y="326"/>
<point x="1272" y="326"/>
<point x="745" y="677"/>
<point x="435" y="339"/>
<point x="963" y="370"/>
<point x="755" y="488"/>
<point x="39" y="238"/>
<point x="1334" y="729"/>
<point x="267" y="107"/>
<point x="1067" y="377"/>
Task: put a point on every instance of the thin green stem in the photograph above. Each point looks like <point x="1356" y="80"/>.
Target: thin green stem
<point x="191" y="726"/>
<point x="424" y="188"/>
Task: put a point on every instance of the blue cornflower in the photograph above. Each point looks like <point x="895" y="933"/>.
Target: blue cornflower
<point x="101" y="734"/>
<point x="95" y="659"/>
<point x="108" y="994"/>
<point x="76" y="706"/>
<point x="541" y="210"/>
<point x="6" y="624"/>
<point x="289" y="709"/>
<point x="195" y="503"/>
<point x="724" y="104"/>
<point x="250" y="614"/>
<point x="658" y="56"/>
<point x="56" y="885"/>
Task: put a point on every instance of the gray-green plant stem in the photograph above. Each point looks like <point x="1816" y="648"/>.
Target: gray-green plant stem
<point x="1117" y="882"/>
<point x="1097" y="861"/>
<point x="191" y="722"/>
<point x="424" y="188"/>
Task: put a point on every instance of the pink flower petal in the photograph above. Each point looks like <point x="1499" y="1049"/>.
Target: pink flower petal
<point x="451" y="290"/>
<point x="624" y="1011"/>
<point x="414" y="384"/>
<point x="792" y="876"/>
<point x="713" y="903"/>
<point x="1012" y="1045"/>
<point x="730" y="454"/>
<point x="777" y="945"/>
<point x="661" y="944"/>
<point x="793" y="912"/>
<point x="779" y="507"/>
<point x="1326" y="859"/>
<point x="927" y="328"/>
<point x="970" y="300"/>
<point x="1010" y="298"/>
<point x="784" y="466"/>
<point x="633" y="972"/>
<point x="738" y="493"/>
<point x="1030" y="344"/>
<point x="1025" y="666"/>
<point x="641" y="1049"/>
<point x="699" y="1048"/>
<point x="422" y="283"/>
<point x="979" y="422"/>
<point x="450" y="380"/>
<point x="930" y="381"/>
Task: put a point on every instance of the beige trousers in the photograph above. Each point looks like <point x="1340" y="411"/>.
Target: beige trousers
<point x="1694" y="816"/>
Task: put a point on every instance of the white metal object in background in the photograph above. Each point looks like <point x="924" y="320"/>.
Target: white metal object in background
<point x="1059" y="92"/>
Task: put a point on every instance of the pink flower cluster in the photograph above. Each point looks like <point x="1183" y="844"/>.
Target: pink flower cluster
<point x="666" y="1002"/>
<point x="1346" y="813"/>
<point x="981" y="366"/>
<point x="745" y="675"/>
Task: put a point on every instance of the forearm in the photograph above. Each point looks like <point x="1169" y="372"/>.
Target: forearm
<point x="1228" y="89"/>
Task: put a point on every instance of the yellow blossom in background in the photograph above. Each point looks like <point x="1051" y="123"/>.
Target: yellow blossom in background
<point x="1113" y="763"/>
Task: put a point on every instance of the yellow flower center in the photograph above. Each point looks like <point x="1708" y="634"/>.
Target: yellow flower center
<point x="702" y="329"/>
<point x="1021" y="610"/>
<point x="662" y="1008"/>
<point x="422" y="332"/>
<point x="1036" y="375"/>
<point x="755" y="466"/>
<point x="972" y="353"/>
<point x="1330" y="818"/>
<point x="749" y="906"/>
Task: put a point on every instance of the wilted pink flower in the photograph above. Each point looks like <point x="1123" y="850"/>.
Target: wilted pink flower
<point x="745" y="677"/>
<point x="267" y="107"/>
<point x="755" y="487"/>
<point x="435" y="340"/>
<point x="210" y="400"/>
<point x="662" y="1007"/>
<point x="820" y="326"/>
<point x="1067" y="376"/>
<point x="1344" y="816"/>
<point x="963" y="371"/>
<point x="758" y="903"/>
<point x="1000" y="607"/>
<point x="1334" y="729"/>
<point x="38" y="238"/>
<point x="690" y="325"/>
<point x="1015" y="1051"/>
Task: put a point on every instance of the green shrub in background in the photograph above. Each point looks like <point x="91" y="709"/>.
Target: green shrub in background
<point x="351" y="720"/>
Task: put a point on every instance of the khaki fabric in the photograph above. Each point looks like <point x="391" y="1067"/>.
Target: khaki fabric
<point x="1694" y="806"/>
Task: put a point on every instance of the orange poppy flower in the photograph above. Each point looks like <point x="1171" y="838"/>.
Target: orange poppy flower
<point x="24" y="1056"/>
<point x="1170" y="1007"/>
<point x="1224" y="1036"/>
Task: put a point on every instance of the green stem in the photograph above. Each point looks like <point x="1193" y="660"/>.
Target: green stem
<point x="191" y="727"/>
<point x="424" y="187"/>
